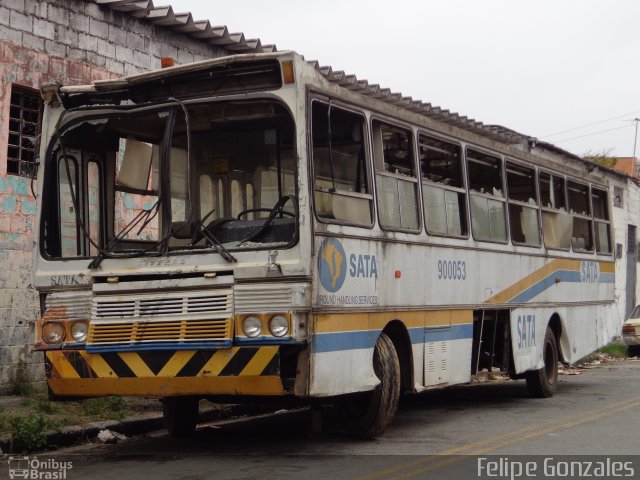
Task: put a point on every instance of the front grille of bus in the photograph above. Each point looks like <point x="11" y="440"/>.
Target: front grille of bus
<point x="160" y="318"/>
<point x="207" y="304"/>
<point x="185" y="330"/>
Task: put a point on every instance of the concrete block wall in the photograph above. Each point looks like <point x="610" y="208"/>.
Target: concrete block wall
<point x="71" y="42"/>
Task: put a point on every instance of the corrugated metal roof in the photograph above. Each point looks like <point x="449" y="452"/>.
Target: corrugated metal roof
<point x="362" y="86"/>
<point x="164" y="16"/>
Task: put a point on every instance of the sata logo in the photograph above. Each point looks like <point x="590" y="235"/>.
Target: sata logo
<point x="526" y="331"/>
<point x="590" y="272"/>
<point x="332" y="264"/>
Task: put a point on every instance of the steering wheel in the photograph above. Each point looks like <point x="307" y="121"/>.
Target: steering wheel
<point x="265" y="210"/>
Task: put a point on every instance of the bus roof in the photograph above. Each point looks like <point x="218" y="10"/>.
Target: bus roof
<point x="348" y="81"/>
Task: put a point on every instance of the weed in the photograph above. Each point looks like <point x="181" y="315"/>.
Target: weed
<point x="28" y="432"/>
<point x="104" y="406"/>
<point x="617" y="350"/>
<point x="46" y="406"/>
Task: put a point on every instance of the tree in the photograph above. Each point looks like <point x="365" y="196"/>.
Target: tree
<point x="603" y="157"/>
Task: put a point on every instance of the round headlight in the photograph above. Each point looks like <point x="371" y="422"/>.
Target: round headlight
<point x="79" y="331"/>
<point x="53" y="332"/>
<point x="252" y="326"/>
<point x="279" y="326"/>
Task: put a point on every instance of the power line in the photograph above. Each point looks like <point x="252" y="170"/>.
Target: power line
<point x="593" y="133"/>
<point x="590" y="124"/>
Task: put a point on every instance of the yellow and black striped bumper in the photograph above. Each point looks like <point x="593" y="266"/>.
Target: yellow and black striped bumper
<point x="234" y="371"/>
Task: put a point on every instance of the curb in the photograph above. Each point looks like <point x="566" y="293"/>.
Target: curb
<point x="137" y="425"/>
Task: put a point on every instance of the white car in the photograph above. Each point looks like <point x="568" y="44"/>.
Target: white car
<point x="631" y="331"/>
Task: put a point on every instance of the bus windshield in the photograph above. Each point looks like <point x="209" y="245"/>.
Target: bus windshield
<point x="215" y="176"/>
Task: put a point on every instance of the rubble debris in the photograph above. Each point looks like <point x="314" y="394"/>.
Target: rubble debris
<point x="107" y="436"/>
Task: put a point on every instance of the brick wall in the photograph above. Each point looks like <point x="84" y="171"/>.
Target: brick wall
<point x="71" y="42"/>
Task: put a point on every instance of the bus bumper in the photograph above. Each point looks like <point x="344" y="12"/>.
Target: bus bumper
<point x="233" y="371"/>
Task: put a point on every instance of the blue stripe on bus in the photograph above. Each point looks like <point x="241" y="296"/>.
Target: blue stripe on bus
<point x="533" y="291"/>
<point x="363" y="339"/>
<point x="607" y="277"/>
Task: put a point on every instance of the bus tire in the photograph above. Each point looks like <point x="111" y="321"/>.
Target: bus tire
<point x="544" y="382"/>
<point x="368" y="415"/>
<point x="180" y="415"/>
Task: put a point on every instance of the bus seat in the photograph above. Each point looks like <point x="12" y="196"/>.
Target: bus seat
<point x="578" y="243"/>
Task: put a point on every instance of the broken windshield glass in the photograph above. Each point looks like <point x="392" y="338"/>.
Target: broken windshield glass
<point x="229" y="183"/>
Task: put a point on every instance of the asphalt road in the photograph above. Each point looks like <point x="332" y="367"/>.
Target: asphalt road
<point x="438" y="434"/>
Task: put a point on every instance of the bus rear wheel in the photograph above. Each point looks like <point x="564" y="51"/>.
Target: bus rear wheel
<point x="369" y="414"/>
<point x="180" y="415"/>
<point x="544" y="382"/>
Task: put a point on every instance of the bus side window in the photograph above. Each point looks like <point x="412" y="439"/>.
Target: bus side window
<point x="602" y="222"/>
<point x="488" y="219"/>
<point x="579" y="207"/>
<point x="523" y="205"/>
<point x="557" y="223"/>
<point x="341" y="180"/>
<point x="396" y="181"/>
<point x="444" y="194"/>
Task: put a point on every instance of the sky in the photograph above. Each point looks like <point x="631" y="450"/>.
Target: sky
<point x="564" y="71"/>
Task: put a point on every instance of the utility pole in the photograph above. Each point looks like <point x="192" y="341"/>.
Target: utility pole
<point x="635" y="142"/>
<point x="635" y="139"/>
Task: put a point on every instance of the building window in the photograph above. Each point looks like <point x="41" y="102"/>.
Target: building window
<point x="618" y="197"/>
<point x="24" y="128"/>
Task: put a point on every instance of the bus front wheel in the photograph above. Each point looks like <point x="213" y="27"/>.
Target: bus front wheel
<point x="369" y="414"/>
<point x="180" y="415"/>
<point x="544" y="382"/>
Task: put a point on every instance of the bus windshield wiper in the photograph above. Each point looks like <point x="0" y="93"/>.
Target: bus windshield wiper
<point x="224" y="253"/>
<point x="146" y="215"/>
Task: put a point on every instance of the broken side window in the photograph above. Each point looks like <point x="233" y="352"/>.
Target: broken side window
<point x="396" y="180"/>
<point x="341" y="179"/>
<point x="579" y="207"/>
<point x="488" y="219"/>
<point x="557" y="223"/>
<point x="444" y="193"/>
<point x="523" y="204"/>
<point x="601" y="219"/>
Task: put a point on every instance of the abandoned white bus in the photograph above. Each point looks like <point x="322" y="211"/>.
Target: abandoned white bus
<point x="256" y="226"/>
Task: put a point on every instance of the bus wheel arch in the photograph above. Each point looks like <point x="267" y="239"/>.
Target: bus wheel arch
<point x="399" y="335"/>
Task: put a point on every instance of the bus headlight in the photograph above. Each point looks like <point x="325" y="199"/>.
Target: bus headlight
<point x="252" y="326"/>
<point x="279" y="326"/>
<point x="79" y="331"/>
<point x="52" y="332"/>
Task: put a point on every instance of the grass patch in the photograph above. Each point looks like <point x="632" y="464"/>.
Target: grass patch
<point x="104" y="406"/>
<point x="26" y="419"/>
<point x="28" y="431"/>
<point x="615" y="349"/>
